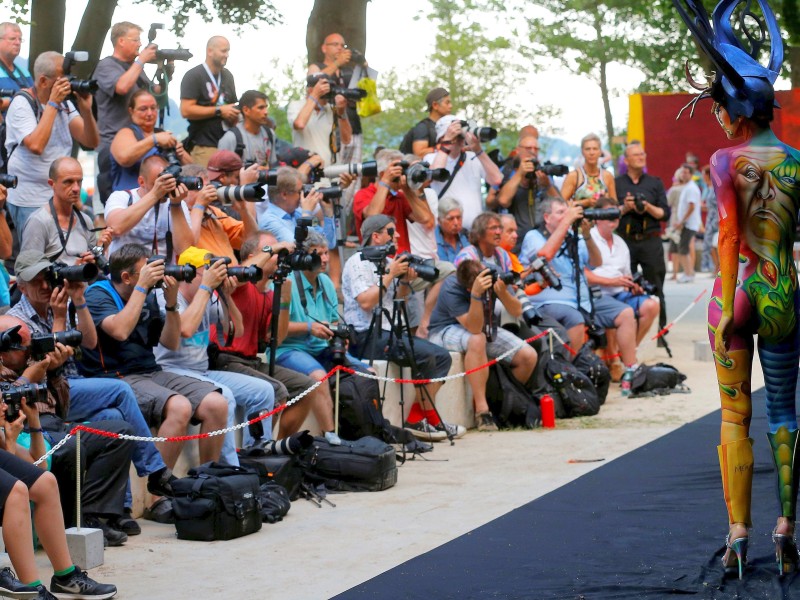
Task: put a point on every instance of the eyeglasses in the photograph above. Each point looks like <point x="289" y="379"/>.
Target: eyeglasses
<point x="144" y="109"/>
<point x="334" y="44"/>
<point x="12" y="39"/>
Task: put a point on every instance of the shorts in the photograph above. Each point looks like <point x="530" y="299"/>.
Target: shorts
<point x="606" y="310"/>
<point x="12" y="470"/>
<point x="635" y="302"/>
<point x="286" y="382"/>
<point x="687" y="237"/>
<point x="306" y="363"/>
<point x="455" y="338"/>
<point x="153" y="390"/>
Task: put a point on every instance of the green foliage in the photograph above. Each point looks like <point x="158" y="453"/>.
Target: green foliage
<point x="227" y="12"/>
<point x="285" y="83"/>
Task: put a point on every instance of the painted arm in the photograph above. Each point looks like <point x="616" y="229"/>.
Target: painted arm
<point x="729" y="242"/>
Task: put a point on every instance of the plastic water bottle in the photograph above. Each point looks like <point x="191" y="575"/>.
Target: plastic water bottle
<point x="548" y="409"/>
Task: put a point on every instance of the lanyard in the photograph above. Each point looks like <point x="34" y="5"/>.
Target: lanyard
<point x="61" y="237"/>
<point x="217" y="83"/>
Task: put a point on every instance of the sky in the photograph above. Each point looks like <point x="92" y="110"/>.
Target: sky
<point x="254" y="48"/>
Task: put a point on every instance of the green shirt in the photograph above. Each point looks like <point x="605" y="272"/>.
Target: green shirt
<point x="322" y="306"/>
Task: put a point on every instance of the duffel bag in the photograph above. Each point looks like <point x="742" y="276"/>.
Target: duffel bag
<point x="216" y="502"/>
<point x="283" y="469"/>
<point x="366" y="465"/>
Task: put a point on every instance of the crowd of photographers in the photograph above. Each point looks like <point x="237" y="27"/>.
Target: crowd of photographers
<point x="229" y="244"/>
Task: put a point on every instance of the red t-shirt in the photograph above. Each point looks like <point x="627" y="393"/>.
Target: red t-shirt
<point x="256" y="309"/>
<point x="397" y="206"/>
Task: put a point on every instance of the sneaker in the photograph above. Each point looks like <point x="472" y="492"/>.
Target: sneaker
<point x="160" y="512"/>
<point x="332" y="438"/>
<point x="124" y="523"/>
<point x="683" y="278"/>
<point x="159" y="483"/>
<point x="425" y="431"/>
<point x="11" y="587"/>
<point x="454" y="431"/>
<point x="78" y="584"/>
<point x="113" y="537"/>
<point x="44" y="594"/>
<point x="486" y="422"/>
<point x="626" y="382"/>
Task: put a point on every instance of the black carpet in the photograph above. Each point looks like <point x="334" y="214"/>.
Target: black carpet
<point x="650" y="524"/>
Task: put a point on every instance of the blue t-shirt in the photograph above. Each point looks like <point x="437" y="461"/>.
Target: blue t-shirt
<point x="453" y="301"/>
<point x="17" y="79"/>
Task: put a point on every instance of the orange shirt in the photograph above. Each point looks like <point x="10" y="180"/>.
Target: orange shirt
<point x="220" y="233"/>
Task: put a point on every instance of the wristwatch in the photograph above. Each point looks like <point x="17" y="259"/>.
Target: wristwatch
<point x="267" y="249"/>
<point x="172" y="308"/>
<point x="218" y="112"/>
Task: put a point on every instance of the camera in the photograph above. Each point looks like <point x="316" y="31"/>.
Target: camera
<point x="267" y="177"/>
<point x="601" y="214"/>
<point x="542" y="273"/>
<point x="420" y="172"/>
<point x="10" y="339"/>
<point x="548" y="168"/>
<point x="365" y="169"/>
<point x="42" y="344"/>
<point x="484" y="134"/>
<point x="530" y="314"/>
<point x="338" y="343"/>
<point x="7" y="92"/>
<point x="81" y="86"/>
<point x="423" y="266"/>
<point x="13" y="394"/>
<point x="299" y="260"/>
<point x="10" y="181"/>
<point x="56" y="273"/>
<point x="649" y="288"/>
<point x="225" y="260"/>
<point x="174" y="169"/>
<point x="356" y="57"/>
<point x="100" y="260"/>
<point x="250" y="273"/>
<point x="348" y="93"/>
<point x="250" y="192"/>
<point x="638" y="200"/>
<point x="185" y="273"/>
<point x="328" y="193"/>
<point x="597" y="335"/>
<point x="509" y="278"/>
<point x="377" y="254"/>
<point x="166" y="55"/>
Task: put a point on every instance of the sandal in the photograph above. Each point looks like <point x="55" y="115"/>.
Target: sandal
<point x="160" y="512"/>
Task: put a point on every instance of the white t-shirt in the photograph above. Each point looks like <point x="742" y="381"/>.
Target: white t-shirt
<point x="616" y="260"/>
<point x="317" y="133"/>
<point x="421" y="238"/>
<point x="193" y="351"/>
<point x="32" y="169"/>
<point x="146" y="230"/>
<point x="466" y="187"/>
<point x="690" y="194"/>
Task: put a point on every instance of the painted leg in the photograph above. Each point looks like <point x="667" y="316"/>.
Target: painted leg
<point x="784" y="453"/>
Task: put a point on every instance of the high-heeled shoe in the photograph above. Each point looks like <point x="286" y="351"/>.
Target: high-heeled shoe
<point x="786" y="553"/>
<point x="737" y="548"/>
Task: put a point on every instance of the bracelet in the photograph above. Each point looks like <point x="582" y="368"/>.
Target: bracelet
<point x="24" y="380"/>
<point x="477" y="154"/>
<point x="139" y="288"/>
<point x="285" y="305"/>
<point x="53" y="104"/>
<point x="136" y="61"/>
<point x="35" y="430"/>
<point x="386" y="185"/>
<point x="307" y="162"/>
<point x="474" y="297"/>
<point x="155" y="141"/>
<point x="81" y="306"/>
<point x="309" y="327"/>
<point x="199" y="207"/>
<point x="173" y="308"/>
<point x="205" y="288"/>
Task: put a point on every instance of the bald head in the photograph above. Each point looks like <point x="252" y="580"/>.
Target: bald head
<point x="217" y="50"/>
<point x="7" y="322"/>
<point x="62" y="164"/>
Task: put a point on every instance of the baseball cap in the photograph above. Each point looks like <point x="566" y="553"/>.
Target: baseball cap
<point x="373" y="224"/>
<point x="194" y="256"/>
<point x="223" y="161"/>
<point x="30" y="263"/>
<point x="442" y="125"/>
<point x="435" y="95"/>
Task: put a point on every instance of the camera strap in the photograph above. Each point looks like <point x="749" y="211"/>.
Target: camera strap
<point x="215" y="83"/>
<point x="459" y="164"/>
<point x="304" y="300"/>
<point x="224" y="342"/>
<point x="20" y="81"/>
<point x="62" y="238"/>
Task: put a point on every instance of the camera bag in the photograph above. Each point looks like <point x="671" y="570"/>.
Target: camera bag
<point x="511" y="403"/>
<point x="216" y="502"/>
<point x="283" y="469"/>
<point x="659" y="379"/>
<point x="365" y="465"/>
<point x="275" y="503"/>
<point x="573" y="392"/>
<point x="360" y="411"/>
<point x="591" y="365"/>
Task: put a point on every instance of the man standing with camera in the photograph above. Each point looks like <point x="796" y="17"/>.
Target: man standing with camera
<point x="118" y="76"/>
<point x="255" y="142"/>
<point x="644" y="207"/>
<point x="365" y="275"/>
<point x="524" y="187"/>
<point x="154" y="214"/>
<point x="41" y="125"/>
<point x="421" y="139"/>
<point x="318" y="126"/>
<point x="460" y="152"/>
<point x="208" y="101"/>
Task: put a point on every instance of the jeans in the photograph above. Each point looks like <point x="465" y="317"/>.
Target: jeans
<point x="254" y="395"/>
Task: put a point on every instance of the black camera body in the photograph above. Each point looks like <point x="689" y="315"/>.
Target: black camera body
<point x="638" y="200"/>
<point x="597" y="335"/>
<point x="13" y="394"/>
<point x="338" y="343"/>
<point x="249" y="273"/>
<point x="509" y="278"/>
<point x="348" y="93"/>
<point x="81" y="86"/>
<point x="484" y="134"/>
<point x="649" y="288"/>
<point x="9" y="181"/>
<point x="185" y="273"/>
<point x="530" y="314"/>
<point x="333" y="192"/>
<point x="174" y="169"/>
<point x="548" y="168"/>
<point x="299" y="260"/>
<point x="420" y="172"/>
<point x="41" y="345"/>
<point x="56" y="273"/>
<point x="542" y="272"/>
<point x="7" y="92"/>
<point x="601" y="214"/>
<point x="423" y="266"/>
<point x="378" y="254"/>
<point x="166" y="55"/>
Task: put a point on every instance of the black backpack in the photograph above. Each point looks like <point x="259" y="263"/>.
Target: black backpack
<point x="573" y="392"/>
<point x="366" y="465"/>
<point x="360" y="411"/>
<point x="5" y="155"/>
<point x="511" y="403"/>
<point x="240" y="146"/>
<point x="591" y="365"/>
<point x="407" y="145"/>
<point x="659" y="379"/>
<point x="275" y="503"/>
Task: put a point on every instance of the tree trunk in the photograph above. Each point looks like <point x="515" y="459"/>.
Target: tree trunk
<point x="47" y="28"/>
<point x="346" y="17"/>
<point x="606" y="102"/>
<point x="793" y="58"/>
<point x="94" y="27"/>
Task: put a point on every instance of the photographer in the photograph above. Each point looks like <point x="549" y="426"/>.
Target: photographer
<point x="421" y="139"/>
<point x="460" y="152"/>
<point x="318" y="126"/>
<point x="139" y="139"/>
<point x="558" y="241"/>
<point x="46" y="310"/>
<point x="203" y="301"/>
<point x="153" y="214"/>
<point x="129" y="325"/>
<point x="255" y="302"/>
<point x="118" y="77"/>
<point x="60" y="230"/>
<point x="361" y="291"/>
<point x="252" y="139"/>
<point x="451" y="236"/>
<point x="41" y="125"/>
<point x="644" y="207"/>
<point x="524" y="187"/>
<point x="313" y="323"/>
<point x="13" y="74"/>
<point x="107" y="462"/>
<point x="30" y="494"/>
<point x="458" y="323"/>
<point x="208" y="99"/>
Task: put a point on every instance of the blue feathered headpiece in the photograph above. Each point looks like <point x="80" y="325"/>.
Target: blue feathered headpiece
<point x="741" y="83"/>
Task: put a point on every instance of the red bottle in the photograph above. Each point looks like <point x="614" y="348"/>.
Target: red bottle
<point x="548" y="410"/>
